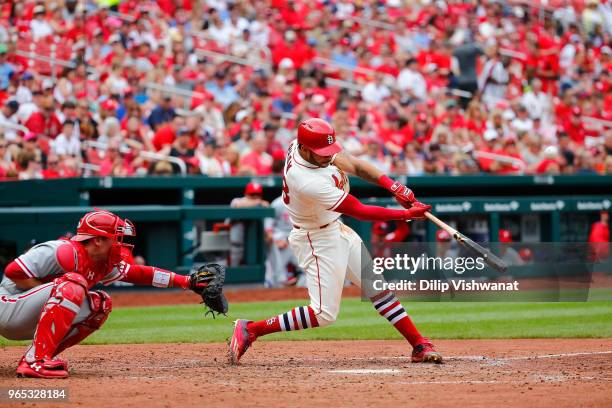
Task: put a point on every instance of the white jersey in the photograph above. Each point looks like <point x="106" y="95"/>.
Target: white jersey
<point x="311" y="193"/>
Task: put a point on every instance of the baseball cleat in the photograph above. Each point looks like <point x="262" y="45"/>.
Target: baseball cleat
<point x="240" y="341"/>
<point x="426" y="353"/>
<point x="39" y="369"/>
<point x="56" y="363"/>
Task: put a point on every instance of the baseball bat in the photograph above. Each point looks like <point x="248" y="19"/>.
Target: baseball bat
<point x="489" y="257"/>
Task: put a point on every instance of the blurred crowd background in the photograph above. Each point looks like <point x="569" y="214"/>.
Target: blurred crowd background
<point x="217" y="87"/>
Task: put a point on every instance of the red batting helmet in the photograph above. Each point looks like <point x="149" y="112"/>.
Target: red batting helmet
<point x="100" y="223"/>
<point x="318" y="136"/>
<point x="253" y="188"/>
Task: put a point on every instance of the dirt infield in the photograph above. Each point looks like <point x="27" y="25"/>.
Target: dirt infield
<point x="556" y="373"/>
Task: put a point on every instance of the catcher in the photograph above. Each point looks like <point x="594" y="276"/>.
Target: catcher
<point x="46" y="294"/>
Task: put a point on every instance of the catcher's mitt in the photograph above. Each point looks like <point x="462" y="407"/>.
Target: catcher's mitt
<point x="207" y="281"/>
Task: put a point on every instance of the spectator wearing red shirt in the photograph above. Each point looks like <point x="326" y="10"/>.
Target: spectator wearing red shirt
<point x="548" y="70"/>
<point x="166" y="134"/>
<point x="456" y="119"/>
<point x="395" y="134"/>
<point x="510" y="150"/>
<point x="563" y="108"/>
<point x="423" y="129"/>
<point x="551" y="164"/>
<point x="52" y="170"/>
<point x="257" y="162"/>
<point x="114" y="164"/>
<point x="45" y="122"/>
<point x="476" y="121"/>
<point x="574" y="127"/>
<point x="293" y="48"/>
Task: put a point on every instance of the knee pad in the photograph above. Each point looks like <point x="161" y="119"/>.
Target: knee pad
<point x="101" y="304"/>
<point x="74" y="278"/>
<point x="325" y="317"/>
<point x="69" y="289"/>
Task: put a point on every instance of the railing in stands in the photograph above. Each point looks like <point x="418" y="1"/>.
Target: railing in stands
<point x="256" y="63"/>
<point x="501" y="158"/>
<point x="206" y="36"/>
<point x="145" y="154"/>
<point x="469" y="150"/>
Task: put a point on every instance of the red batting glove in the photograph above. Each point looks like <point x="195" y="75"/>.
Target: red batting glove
<point x="417" y="211"/>
<point x="403" y="195"/>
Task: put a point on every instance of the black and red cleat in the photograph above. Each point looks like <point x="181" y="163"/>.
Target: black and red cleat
<point x="425" y="352"/>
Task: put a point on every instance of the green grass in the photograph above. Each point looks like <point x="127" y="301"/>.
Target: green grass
<point x="358" y="320"/>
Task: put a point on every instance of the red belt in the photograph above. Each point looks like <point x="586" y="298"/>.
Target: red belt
<point x="321" y="227"/>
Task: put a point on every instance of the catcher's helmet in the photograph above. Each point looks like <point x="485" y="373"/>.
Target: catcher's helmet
<point x="318" y="136"/>
<point x="100" y="223"/>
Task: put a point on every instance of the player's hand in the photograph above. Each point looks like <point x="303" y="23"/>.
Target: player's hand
<point x="403" y="194"/>
<point x="417" y="211"/>
<point x="407" y="204"/>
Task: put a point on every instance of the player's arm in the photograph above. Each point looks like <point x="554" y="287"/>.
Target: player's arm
<point x="357" y="167"/>
<point x="33" y="268"/>
<point x="352" y="207"/>
<point x="360" y="168"/>
<point x="207" y="281"/>
<point x="148" y="276"/>
<point x="151" y="276"/>
<point x="23" y="282"/>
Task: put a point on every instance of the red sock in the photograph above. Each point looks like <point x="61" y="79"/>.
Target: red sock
<point x="302" y="317"/>
<point x="390" y="308"/>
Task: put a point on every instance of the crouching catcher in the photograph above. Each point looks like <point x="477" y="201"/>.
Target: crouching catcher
<point x="46" y="294"/>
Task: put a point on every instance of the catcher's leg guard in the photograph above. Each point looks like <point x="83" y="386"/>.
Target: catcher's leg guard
<point x="100" y="304"/>
<point x="55" y="320"/>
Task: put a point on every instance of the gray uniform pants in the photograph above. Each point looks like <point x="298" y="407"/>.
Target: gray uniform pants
<point x="276" y="265"/>
<point x="19" y="314"/>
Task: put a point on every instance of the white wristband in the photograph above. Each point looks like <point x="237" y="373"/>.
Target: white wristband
<point x="161" y="279"/>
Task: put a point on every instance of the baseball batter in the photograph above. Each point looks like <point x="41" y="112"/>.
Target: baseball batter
<point x="316" y="193"/>
<point x="46" y="294"/>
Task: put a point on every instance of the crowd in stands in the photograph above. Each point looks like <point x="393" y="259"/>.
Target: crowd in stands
<point x="217" y="87"/>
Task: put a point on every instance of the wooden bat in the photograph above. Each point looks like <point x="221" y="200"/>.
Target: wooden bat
<point x="490" y="258"/>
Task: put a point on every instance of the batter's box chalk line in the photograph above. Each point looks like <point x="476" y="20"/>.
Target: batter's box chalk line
<point x="485" y="358"/>
<point x="384" y="371"/>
